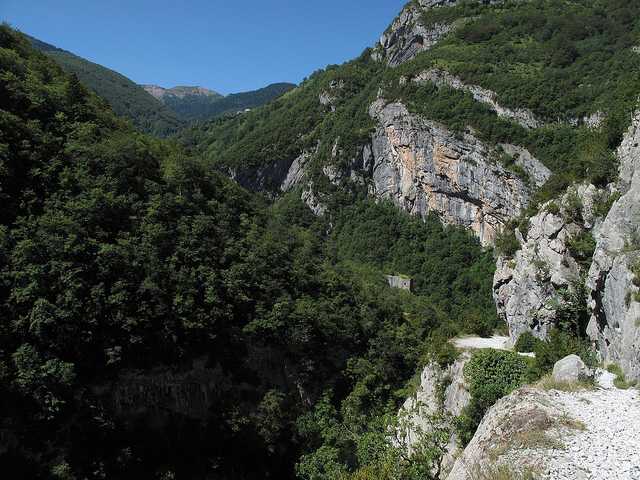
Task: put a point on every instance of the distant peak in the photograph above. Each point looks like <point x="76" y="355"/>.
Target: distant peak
<point x="179" y="91"/>
<point x="154" y="90"/>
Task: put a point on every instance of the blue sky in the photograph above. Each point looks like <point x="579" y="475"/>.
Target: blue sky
<point x="228" y="46"/>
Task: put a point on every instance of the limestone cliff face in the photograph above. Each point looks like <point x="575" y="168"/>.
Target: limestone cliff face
<point x="525" y="284"/>
<point x="615" y="324"/>
<point x="406" y="36"/>
<point x="441" y="390"/>
<point x="190" y="392"/>
<point x="423" y="167"/>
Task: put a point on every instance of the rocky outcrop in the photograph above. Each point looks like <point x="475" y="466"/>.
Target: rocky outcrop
<point x="442" y="390"/>
<point x="423" y="167"/>
<point x="406" y="36"/>
<point x="168" y="393"/>
<point x="527" y="284"/>
<point x="524" y="117"/>
<point x="558" y="435"/>
<point x="179" y="92"/>
<point x="615" y="324"/>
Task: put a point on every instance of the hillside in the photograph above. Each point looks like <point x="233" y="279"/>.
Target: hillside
<point x="196" y="103"/>
<point x="125" y="97"/>
<point x="459" y="97"/>
<point x="157" y="319"/>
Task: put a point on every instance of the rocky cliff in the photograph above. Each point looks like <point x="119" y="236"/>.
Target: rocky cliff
<point x="442" y="390"/>
<point x="423" y="167"/>
<point x="527" y="285"/>
<point x="539" y="433"/>
<point x="407" y="36"/>
<point x="613" y="280"/>
<point x="180" y="92"/>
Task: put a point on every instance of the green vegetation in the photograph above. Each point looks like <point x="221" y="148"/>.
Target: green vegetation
<point x="491" y="375"/>
<point x="125" y="258"/>
<point x="620" y="381"/>
<point x="526" y="342"/>
<point x="195" y="108"/>
<point x="560" y="61"/>
<point x="294" y="122"/>
<point x="126" y="98"/>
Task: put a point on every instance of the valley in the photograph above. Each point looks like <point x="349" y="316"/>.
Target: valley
<point x="195" y="285"/>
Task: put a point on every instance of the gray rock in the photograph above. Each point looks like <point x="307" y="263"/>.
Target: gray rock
<point x="615" y="323"/>
<point x="571" y="369"/>
<point x="423" y="167"/>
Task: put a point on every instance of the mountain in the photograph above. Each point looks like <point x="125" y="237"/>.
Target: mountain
<point x="125" y="97"/>
<point x="158" y="320"/>
<point x="179" y="92"/>
<point x="438" y="107"/>
<point x="197" y="103"/>
<point x="514" y="120"/>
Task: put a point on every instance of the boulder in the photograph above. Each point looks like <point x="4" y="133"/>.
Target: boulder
<point x="570" y="369"/>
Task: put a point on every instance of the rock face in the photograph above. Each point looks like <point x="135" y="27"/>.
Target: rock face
<point x="556" y="435"/>
<point x="408" y="36"/>
<point x="615" y="324"/>
<point x="523" y="116"/>
<point x="441" y="390"/>
<point x="179" y="92"/>
<point x="166" y="394"/>
<point x="525" y="284"/>
<point x="571" y="369"/>
<point x="423" y="167"/>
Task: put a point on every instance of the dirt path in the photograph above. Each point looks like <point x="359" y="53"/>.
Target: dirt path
<point x="496" y="341"/>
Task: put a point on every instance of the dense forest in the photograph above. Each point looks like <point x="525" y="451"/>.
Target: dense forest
<point x="123" y="255"/>
<point x="157" y="320"/>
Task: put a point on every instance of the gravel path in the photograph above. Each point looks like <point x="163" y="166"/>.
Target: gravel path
<point x="609" y="447"/>
<point x="498" y="342"/>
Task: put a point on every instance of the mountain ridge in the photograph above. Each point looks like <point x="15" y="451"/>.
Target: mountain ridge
<point x="178" y="91"/>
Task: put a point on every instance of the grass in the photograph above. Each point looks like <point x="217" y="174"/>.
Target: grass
<point x="620" y="380"/>
<point x="506" y="472"/>
<point x="531" y="431"/>
<point x="547" y="383"/>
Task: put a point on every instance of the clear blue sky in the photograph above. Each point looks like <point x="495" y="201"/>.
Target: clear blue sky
<point x="229" y="46"/>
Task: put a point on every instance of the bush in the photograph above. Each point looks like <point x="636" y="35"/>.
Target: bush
<point x="475" y="323"/>
<point x="559" y="345"/>
<point x="507" y="244"/>
<point x="526" y="342"/>
<point x="491" y="375"/>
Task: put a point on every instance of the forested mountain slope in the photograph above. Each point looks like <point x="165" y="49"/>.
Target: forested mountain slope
<point x="160" y="321"/>
<point x="462" y="90"/>
<point x="157" y="320"/>
<point x="125" y="97"/>
<point x="195" y="108"/>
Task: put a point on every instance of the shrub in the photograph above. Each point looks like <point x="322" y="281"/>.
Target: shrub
<point x="474" y="322"/>
<point x="491" y="375"/>
<point x="526" y="342"/>
<point x="507" y="244"/>
<point x="559" y="345"/>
